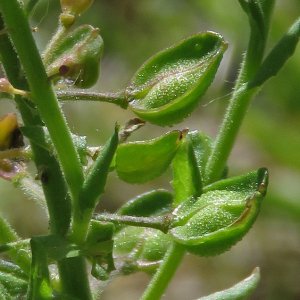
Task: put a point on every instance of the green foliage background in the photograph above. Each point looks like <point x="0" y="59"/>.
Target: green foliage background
<point x="133" y="30"/>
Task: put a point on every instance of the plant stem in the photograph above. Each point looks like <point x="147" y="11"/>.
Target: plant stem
<point x="165" y="273"/>
<point x="75" y="282"/>
<point x="93" y="187"/>
<point x="43" y="93"/>
<point x="227" y="135"/>
<point x="237" y="107"/>
<point x="47" y="55"/>
<point x="161" y="223"/>
<point x="56" y="194"/>
<point x="12" y="153"/>
<point x="115" y="98"/>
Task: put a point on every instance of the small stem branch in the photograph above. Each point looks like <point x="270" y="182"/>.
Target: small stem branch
<point x="47" y="55"/>
<point x="114" y="98"/>
<point x="12" y="153"/>
<point x="161" y="223"/>
<point x="165" y="273"/>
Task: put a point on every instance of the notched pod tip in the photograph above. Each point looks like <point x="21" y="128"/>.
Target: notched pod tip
<point x="214" y="222"/>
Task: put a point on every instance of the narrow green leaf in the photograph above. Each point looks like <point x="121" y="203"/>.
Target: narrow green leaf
<point x="38" y="135"/>
<point x="39" y="284"/>
<point x="95" y="182"/>
<point x="189" y="164"/>
<point x="278" y="56"/>
<point x="238" y="291"/>
<point x="169" y="86"/>
<point x="139" y="162"/>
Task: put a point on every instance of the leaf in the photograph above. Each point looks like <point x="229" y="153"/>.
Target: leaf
<point x="139" y="162"/>
<point x="189" y="164"/>
<point x="38" y="135"/>
<point x="41" y="137"/>
<point x="169" y="86"/>
<point x="278" y="56"/>
<point x="39" y="284"/>
<point x="214" y="222"/>
<point x="95" y="182"/>
<point x="238" y="291"/>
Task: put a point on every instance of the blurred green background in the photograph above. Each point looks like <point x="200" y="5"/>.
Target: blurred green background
<point x="133" y="30"/>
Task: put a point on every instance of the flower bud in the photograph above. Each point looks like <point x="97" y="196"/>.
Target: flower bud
<point x="75" y="7"/>
<point x="10" y="135"/>
<point x="6" y="87"/>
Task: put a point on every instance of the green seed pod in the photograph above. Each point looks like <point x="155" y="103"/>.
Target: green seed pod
<point x="213" y="223"/>
<point x="139" y="162"/>
<point x="169" y="86"/>
<point x="77" y="57"/>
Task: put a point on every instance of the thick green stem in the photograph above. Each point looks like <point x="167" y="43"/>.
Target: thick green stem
<point x="75" y="282"/>
<point x="227" y="135"/>
<point x="43" y="93"/>
<point x="237" y="108"/>
<point x="56" y="194"/>
<point x="165" y="273"/>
